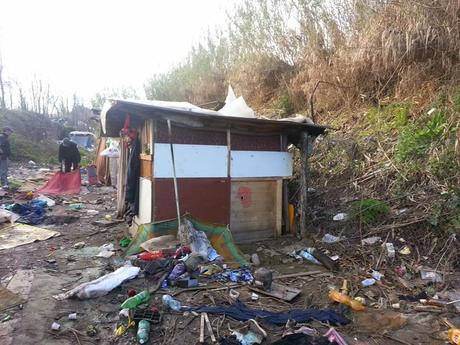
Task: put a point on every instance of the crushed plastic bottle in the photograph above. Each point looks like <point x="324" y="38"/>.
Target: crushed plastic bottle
<point x="143" y="330"/>
<point x="339" y="297"/>
<point x="133" y="302"/>
<point x="306" y="255"/>
<point x="171" y="303"/>
<point x="368" y="282"/>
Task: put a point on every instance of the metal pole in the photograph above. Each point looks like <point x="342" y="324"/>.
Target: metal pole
<point x="176" y="192"/>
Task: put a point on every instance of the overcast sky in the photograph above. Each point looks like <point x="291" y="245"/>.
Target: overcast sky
<point x="83" y="46"/>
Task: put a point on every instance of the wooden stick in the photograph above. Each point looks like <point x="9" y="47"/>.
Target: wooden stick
<point x="208" y="324"/>
<point x="293" y="275"/>
<point x="202" y="328"/>
<point x="176" y="193"/>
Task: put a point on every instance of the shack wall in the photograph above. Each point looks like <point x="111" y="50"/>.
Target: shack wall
<point x="212" y="169"/>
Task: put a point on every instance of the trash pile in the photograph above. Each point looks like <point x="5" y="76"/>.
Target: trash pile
<point x="259" y="305"/>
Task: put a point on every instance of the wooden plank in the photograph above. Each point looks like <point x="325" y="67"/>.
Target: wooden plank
<point x="253" y="210"/>
<point x="145" y="168"/>
<point x="279" y="291"/>
<point x="279" y="207"/>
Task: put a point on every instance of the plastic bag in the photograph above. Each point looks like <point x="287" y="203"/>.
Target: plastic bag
<point x="102" y="285"/>
<point x="237" y="108"/>
<point x="112" y="151"/>
<point x="197" y="241"/>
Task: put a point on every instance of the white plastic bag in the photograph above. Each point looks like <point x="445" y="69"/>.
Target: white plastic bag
<point x="237" y="108"/>
<point x="112" y="151"/>
<point x="102" y="285"/>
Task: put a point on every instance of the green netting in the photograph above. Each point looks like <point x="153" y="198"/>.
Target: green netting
<point x="219" y="236"/>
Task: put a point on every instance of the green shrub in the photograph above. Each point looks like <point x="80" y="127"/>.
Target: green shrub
<point x="285" y="105"/>
<point x="415" y="140"/>
<point x="369" y="211"/>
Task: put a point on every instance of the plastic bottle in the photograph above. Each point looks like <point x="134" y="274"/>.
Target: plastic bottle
<point x="171" y="303"/>
<point x="133" y="302"/>
<point x="143" y="330"/>
<point x="454" y="336"/>
<point x="368" y="282"/>
<point x="339" y="297"/>
<point x="150" y="256"/>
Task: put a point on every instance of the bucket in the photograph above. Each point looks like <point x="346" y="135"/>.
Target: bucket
<point x="92" y="175"/>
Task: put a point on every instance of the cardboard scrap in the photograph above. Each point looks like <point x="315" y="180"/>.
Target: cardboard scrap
<point x="20" y="234"/>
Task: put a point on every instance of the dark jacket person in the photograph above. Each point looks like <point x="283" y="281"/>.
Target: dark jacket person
<point x="69" y="154"/>
<point x="5" y="153"/>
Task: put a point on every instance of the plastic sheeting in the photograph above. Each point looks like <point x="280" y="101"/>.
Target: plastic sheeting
<point x="62" y="184"/>
<point x="219" y="236"/>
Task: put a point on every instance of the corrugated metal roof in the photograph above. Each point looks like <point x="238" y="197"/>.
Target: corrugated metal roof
<point x="183" y="113"/>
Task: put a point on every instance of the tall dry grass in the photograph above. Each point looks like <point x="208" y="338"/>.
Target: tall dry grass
<point x="363" y="51"/>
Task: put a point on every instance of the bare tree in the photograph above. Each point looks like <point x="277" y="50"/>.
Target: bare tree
<point x="2" y="87"/>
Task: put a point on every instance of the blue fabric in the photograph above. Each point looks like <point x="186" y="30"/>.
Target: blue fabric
<point x="31" y="213"/>
<point x="241" y="312"/>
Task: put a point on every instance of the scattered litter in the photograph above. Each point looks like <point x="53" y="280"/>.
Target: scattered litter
<point x="370" y="240"/>
<point x="143" y="330"/>
<point x="79" y="245"/>
<point x="390" y="250"/>
<point x="368" y="282"/>
<point x="343" y="298"/>
<point x="20" y="234"/>
<point x="171" y="303"/>
<point x="166" y="243"/>
<point x="376" y="275"/>
<point x="255" y="259"/>
<point x="405" y="250"/>
<point x="124" y="242"/>
<point x="334" y="337"/>
<point x="49" y="202"/>
<point x="433" y="276"/>
<point x="76" y="207"/>
<point x="92" y="212"/>
<point x="306" y="255"/>
<point x="254" y="296"/>
<point x="102" y="285"/>
<point x="72" y="316"/>
<point x="241" y="312"/>
<point x="340" y="216"/>
<point x="55" y="326"/>
<point x="328" y="238"/>
<point x="8" y="216"/>
<point x="233" y="294"/>
<point x="135" y="301"/>
<point x="106" y="251"/>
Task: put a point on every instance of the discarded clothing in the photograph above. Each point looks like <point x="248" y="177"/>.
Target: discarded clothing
<point x="234" y="276"/>
<point x="303" y="339"/>
<point x="177" y="271"/>
<point x="102" y="285"/>
<point x="32" y="212"/>
<point x="132" y="179"/>
<point x="241" y="312"/>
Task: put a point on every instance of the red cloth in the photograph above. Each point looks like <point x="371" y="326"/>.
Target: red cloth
<point x="63" y="183"/>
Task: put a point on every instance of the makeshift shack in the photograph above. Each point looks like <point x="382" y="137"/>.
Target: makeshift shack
<point x="229" y="169"/>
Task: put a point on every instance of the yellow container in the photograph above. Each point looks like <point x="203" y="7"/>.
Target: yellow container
<point x="454" y="336"/>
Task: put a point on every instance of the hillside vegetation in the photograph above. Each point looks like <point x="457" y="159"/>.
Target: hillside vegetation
<point x="384" y="74"/>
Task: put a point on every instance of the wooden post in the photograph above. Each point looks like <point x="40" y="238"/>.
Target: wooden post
<point x="303" y="183"/>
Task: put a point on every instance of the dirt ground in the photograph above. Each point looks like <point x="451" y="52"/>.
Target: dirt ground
<point x="39" y="270"/>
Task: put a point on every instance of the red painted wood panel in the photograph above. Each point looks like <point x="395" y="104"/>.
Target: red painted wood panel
<point x="253" y="142"/>
<point x="205" y="199"/>
<point x="181" y="135"/>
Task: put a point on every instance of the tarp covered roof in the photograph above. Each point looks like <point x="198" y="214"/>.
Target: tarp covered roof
<point x="185" y="114"/>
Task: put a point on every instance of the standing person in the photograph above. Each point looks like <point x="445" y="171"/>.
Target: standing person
<point x="69" y="154"/>
<point x="5" y="153"/>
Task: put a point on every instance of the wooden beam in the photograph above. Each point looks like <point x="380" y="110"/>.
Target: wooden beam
<point x="303" y="183"/>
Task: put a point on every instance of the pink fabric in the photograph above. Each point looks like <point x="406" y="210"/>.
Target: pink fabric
<point x="62" y="184"/>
